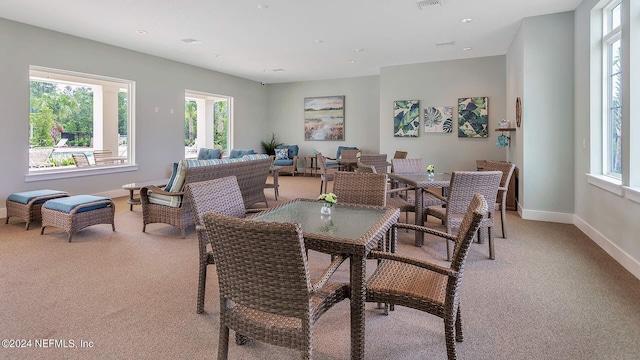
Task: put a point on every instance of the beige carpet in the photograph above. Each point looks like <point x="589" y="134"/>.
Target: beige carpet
<point x="551" y="293"/>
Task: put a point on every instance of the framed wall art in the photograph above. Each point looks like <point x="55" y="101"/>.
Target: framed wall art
<point x="406" y="118"/>
<point x="324" y="118"/>
<point x="438" y="119"/>
<point x="473" y="117"/>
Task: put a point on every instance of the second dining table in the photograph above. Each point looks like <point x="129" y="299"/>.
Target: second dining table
<point x="353" y="230"/>
<point x="421" y="182"/>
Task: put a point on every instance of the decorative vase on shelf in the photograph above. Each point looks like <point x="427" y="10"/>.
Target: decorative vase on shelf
<point x="326" y="209"/>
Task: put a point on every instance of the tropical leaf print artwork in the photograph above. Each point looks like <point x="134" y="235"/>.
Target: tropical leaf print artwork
<point x="438" y="119"/>
<point x="473" y="119"/>
<point x="406" y="118"/>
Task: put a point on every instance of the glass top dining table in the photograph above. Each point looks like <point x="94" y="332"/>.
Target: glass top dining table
<point x="421" y="182"/>
<point x="352" y="230"/>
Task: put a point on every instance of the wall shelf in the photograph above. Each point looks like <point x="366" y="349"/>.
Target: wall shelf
<point x="506" y="129"/>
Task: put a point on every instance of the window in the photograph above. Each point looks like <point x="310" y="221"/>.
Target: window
<point x="207" y="122"/>
<point x="612" y="90"/>
<point x="73" y="113"/>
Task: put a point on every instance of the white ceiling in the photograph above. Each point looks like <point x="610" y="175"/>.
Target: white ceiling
<point x="309" y="40"/>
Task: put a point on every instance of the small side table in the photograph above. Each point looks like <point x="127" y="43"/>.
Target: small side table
<point x="131" y="187"/>
<point x="275" y="170"/>
<point x="310" y="163"/>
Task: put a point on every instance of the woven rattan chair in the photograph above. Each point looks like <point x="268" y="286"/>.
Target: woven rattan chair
<point x="221" y="196"/>
<point x="425" y="286"/>
<point x="400" y="154"/>
<point x="266" y="292"/>
<point x="379" y="161"/>
<point x="364" y="168"/>
<point x="80" y="160"/>
<point x="326" y="174"/>
<point x="360" y="188"/>
<point x="407" y="202"/>
<point x="501" y="201"/>
<point x="462" y="188"/>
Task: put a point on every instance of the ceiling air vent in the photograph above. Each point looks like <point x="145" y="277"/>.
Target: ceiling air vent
<point x="426" y="3"/>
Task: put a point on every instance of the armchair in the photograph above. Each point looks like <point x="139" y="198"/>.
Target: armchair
<point x="287" y="157"/>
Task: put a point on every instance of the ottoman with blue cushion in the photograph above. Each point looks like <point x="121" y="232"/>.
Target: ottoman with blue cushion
<point x="26" y="205"/>
<point x="75" y="213"/>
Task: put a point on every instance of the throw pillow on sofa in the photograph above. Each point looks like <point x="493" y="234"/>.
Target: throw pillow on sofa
<point x="240" y="153"/>
<point x="207" y="154"/>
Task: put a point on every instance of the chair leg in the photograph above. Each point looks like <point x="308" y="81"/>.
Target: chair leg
<point x="449" y="338"/>
<point x="492" y="254"/>
<point x="202" y="282"/>
<point x="321" y="183"/>
<point x="503" y="216"/>
<point x="459" y="335"/>
<point x="223" y="342"/>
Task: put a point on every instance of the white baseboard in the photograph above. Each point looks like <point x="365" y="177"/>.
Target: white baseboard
<point x="628" y="262"/>
<point x="556" y="217"/>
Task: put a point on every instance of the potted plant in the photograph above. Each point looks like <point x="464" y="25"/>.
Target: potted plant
<point x="271" y="145"/>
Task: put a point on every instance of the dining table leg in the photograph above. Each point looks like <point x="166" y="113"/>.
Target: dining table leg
<point x="419" y="201"/>
<point x="358" y="298"/>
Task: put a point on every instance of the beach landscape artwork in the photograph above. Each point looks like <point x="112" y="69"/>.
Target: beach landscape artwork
<point x="438" y="119"/>
<point x="473" y="118"/>
<point x="324" y="118"/>
<point x="406" y="118"/>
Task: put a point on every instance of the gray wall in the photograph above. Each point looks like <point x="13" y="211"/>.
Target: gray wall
<point x="610" y="219"/>
<point x="441" y="84"/>
<point x="547" y="113"/>
<point x="286" y="113"/>
<point x="160" y="83"/>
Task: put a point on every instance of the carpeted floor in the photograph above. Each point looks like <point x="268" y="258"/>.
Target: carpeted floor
<point x="551" y="293"/>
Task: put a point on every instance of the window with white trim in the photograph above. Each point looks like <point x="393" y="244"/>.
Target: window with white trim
<point x="74" y="113"/>
<point x="612" y="90"/>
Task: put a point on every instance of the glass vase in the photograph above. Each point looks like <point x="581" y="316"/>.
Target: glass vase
<point x="431" y="174"/>
<point x="326" y="209"/>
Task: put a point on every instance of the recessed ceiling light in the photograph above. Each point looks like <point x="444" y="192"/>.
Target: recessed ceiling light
<point x="318" y="41"/>
<point x="351" y="61"/>
<point x="191" y="41"/>
<point x="217" y="55"/>
<point x="141" y="32"/>
<point x="263" y="6"/>
<point x="359" y="50"/>
<point x="467" y="48"/>
<point x="466" y="20"/>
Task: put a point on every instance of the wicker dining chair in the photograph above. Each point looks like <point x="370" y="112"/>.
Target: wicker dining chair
<point x="326" y="174"/>
<point x="501" y="201"/>
<point x="379" y="161"/>
<point x="221" y="196"/>
<point x="266" y="293"/>
<point x="360" y="188"/>
<point x="425" y="286"/>
<point x="462" y="188"/>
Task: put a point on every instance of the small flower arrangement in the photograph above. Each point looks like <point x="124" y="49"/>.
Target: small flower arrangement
<point x="358" y="155"/>
<point x="431" y="169"/>
<point x="329" y="199"/>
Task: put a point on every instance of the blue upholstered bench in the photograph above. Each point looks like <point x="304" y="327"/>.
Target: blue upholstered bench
<point x="26" y="205"/>
<point x="75" y="213"/>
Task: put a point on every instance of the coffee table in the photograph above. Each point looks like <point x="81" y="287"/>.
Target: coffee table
<point x="132" y="187"/>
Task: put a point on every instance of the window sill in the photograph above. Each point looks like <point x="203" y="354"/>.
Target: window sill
<point x="632" y="194"/>
<point x="46" y="174"/>
<point x="606" y="183"/>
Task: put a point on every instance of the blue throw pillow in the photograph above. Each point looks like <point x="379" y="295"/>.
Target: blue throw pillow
<point x="173" y="176"/>
<point x="282" y="154"/>
<point x="240" y="153"/>
<point x="208" y="154"/>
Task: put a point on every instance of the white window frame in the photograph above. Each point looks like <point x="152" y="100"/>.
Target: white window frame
<point x="38" y="73"/>
<point x="205" y="103"/>
<point x="609" y="37"/>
